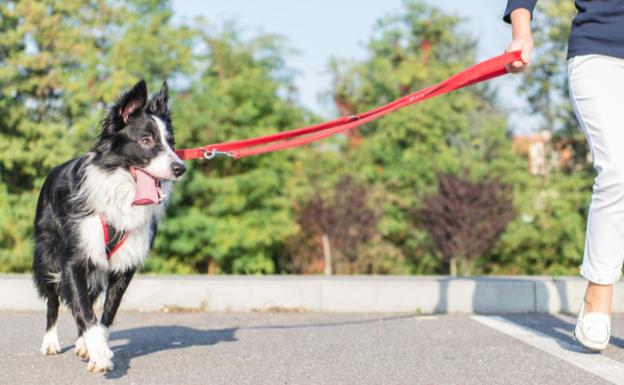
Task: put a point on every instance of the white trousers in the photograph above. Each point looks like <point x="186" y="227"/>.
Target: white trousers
<point x="597" y="93"/>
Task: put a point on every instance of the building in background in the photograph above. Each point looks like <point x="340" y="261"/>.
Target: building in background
<point x="543" y="153"/>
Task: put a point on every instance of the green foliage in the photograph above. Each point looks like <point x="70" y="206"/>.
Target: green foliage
<point x="403" y="152"/>
<point x="547" y="237"/>
<point x="234" y="215"/>
<point x="15" y="230"/>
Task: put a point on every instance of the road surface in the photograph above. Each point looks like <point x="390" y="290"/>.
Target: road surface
<point x="310" y="348"/>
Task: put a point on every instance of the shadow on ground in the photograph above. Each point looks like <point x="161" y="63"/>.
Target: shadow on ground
<point x="151" y="339"/>
<point x="561" y="330"/>
<point x="147" y="340"/>
<point x="558" y="328"/>
<point x="331" y="324"/>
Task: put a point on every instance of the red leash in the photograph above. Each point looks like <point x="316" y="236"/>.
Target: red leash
<point x="241" y="148"/>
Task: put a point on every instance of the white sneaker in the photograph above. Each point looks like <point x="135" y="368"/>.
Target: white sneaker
<point x="593" y="330"/>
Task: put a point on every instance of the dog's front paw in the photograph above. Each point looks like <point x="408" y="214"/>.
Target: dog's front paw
<point x="50" y="345"/>
<point x="97" y="350"/>
<point x="100" y="360"/>
<point x="102" y="363"/>
<point x="81" y="349"/>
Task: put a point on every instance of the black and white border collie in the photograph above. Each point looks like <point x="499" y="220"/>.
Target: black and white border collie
<point x="97" y="216"/>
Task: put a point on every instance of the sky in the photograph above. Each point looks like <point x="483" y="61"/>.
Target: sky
<point x="322" y="29"/>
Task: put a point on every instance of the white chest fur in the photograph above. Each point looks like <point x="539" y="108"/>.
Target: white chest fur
<point x="110" y="194"/>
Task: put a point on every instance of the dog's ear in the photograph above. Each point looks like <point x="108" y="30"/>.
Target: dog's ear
<point x="129" y="103"/>
<point x="132" y="101"/>
<point x="159" y="103"/>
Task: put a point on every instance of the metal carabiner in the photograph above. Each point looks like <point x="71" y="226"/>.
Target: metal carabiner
<point x="214" y="153"/>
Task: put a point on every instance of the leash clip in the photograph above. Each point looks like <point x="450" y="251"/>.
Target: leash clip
<point x="214" y="153"/>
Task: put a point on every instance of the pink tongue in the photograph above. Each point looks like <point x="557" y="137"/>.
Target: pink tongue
<point x="146" y="191"/>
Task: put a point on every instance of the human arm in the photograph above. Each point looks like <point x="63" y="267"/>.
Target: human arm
<point x="519" y="14"/>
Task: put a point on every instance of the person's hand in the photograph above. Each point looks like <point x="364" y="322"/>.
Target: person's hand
<point x="522" y="39"/>
<point x="523" y="44"/>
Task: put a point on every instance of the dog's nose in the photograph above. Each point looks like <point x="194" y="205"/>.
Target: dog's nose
<point x="178" y="169"/>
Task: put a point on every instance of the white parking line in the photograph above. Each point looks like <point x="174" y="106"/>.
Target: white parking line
<point x="597" y="364"/>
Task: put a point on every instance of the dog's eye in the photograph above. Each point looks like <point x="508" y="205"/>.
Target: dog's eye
<point x="146" y="141"/>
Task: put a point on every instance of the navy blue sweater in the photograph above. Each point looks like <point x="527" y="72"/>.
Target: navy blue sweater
<point x="598" y="28"/>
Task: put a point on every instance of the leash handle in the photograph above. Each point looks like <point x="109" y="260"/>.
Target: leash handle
<point x="477" y="73"/>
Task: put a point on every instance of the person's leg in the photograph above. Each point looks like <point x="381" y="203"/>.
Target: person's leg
<point x="598" y="298"/>
<point x="597" y="91"/>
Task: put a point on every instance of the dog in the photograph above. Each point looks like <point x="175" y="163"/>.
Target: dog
<point x="97" y="216"/>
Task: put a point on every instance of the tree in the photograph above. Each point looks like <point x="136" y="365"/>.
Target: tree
<point x="547" y="235"/>
<point x="232" y="216"/>
<point x="465" y="218"/>
<point x="401" y="153"/>
<point x="349" y="222"/>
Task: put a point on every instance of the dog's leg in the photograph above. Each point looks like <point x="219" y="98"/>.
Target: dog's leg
<point x="50" y="345"/>
<point x="80" y="348"/>
<point x="117" y="285"/>
<point x="94" y="336"/>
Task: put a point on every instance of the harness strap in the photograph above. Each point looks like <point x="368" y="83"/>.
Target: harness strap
<point x="113" y="239"/>
<point x="480" y="72"/>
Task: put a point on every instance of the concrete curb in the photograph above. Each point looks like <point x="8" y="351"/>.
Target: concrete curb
<point x="353" y="294"/>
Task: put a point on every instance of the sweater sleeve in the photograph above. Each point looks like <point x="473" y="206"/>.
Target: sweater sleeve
<point x="512" y="5"/>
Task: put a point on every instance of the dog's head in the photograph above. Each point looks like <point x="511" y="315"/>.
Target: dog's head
<point x="137" y="135"/>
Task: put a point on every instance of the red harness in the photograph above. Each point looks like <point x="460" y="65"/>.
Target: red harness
<point x="113" y="239"/>
<point x="241" y="148"/>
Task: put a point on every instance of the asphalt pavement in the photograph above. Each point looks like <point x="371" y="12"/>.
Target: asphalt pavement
<point x="315" y="348"/>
